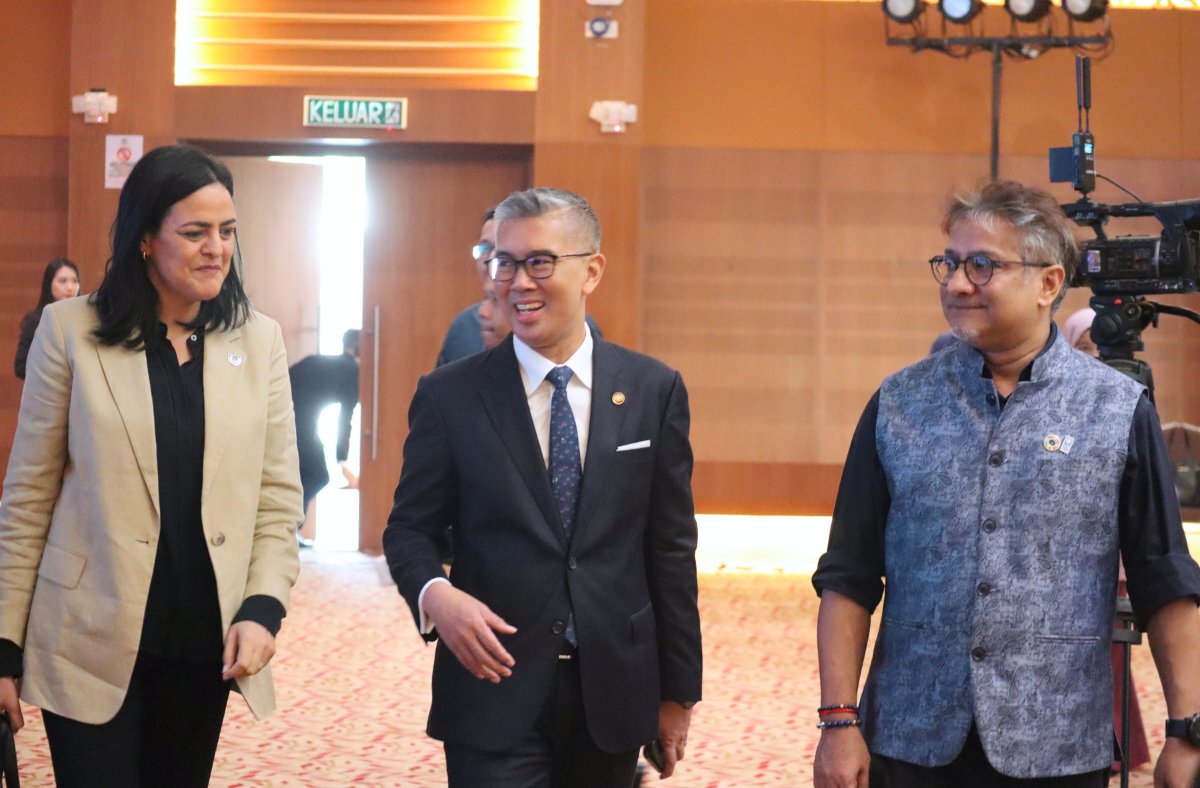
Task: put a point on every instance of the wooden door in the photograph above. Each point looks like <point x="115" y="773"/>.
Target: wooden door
<point x="424" y="208"/>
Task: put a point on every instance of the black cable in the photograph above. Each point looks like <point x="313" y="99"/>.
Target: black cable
<point x="1119" y="186"/>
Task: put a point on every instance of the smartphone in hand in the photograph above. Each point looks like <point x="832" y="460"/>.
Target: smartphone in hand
<point x="653" y="752"/>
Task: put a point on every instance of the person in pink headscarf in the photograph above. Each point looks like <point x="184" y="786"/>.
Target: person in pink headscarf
<point x="1078" y="331"/>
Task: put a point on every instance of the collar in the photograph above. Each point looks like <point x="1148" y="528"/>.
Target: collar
<point x="535" y="366"/>
<point x="1027" y="372"/>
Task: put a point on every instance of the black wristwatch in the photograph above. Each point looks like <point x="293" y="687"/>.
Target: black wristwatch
<point x="1187" y="729"/>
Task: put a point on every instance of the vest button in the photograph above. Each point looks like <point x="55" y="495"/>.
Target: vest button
<point x="991" y="399"/>
<point x="978" y="653"/>
<point x="996" y="459"/>
<point x="984" y="589"/>
<point x="557" y="628"/>
<point x="989" y="526"/>
<point x="571" y="562"/>
<point x="218" y="540"/>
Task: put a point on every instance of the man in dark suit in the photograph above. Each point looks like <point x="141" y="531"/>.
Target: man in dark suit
<point x="569" y="632"/>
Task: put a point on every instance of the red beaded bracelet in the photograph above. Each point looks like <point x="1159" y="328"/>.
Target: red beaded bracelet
<point x="842" y="708"/>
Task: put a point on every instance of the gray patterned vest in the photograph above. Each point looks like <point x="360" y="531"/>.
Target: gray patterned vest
<point x="1001" y="559"/>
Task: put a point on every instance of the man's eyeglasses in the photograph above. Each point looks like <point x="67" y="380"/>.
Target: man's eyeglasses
<point x="503" y="268"/>
<point x="978" y="267"/>
<point x="480" y="252"/>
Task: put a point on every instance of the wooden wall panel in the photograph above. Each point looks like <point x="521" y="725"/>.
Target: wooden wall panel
<point x="136" y="64"/>
<point x="35" y="59"/>
<point x="276" y="114"/>
<point x="33" y="231"/>
<point x="785" y="285"/>
<point x="279" y="212"/>
<point x="425" y="207"/>
<point x="775" y="74"/>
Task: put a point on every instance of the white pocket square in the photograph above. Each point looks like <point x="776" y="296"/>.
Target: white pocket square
<point x="634" y="446"/>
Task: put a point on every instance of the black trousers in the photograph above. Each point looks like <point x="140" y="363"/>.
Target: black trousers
<point x="557" y="753"/>
<point x="165" y="732"/>
<point x="970" y="768"/>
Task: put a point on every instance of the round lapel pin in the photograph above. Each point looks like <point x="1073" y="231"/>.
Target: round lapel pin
<point x="618" y="398"/>
<point x="234" y="358"/>
<point x="1051" y="443"/>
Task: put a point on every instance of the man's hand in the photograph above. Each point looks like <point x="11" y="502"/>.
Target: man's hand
<point x="673" y="722"/>
<point x="1178" y="765"/>
<point x="466" y="626"/>
<point x="10" y="702"/>
<point x="248" y="649"/>
<point x="842" y="760"/>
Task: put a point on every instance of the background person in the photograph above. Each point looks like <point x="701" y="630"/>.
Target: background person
<point x="317" y="382"/>
<point x="60" y="280"/>
<point x="990" y="489"/>
<point x="147" y="527"/>
<point x="1077" y="330"/>
<point x="568" y="630"/>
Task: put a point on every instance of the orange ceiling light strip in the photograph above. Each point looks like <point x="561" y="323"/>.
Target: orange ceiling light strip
<point x="484" y="44"/>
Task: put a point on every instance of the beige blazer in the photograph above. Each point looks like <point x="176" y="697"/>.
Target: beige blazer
<point x="79" y="518"/>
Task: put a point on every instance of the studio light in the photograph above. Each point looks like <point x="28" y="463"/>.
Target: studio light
<point x="1027" y="10"/>
<point x="903" y="11"/>
<point x="960" y="11"/>
<point x="1085" y="10"/>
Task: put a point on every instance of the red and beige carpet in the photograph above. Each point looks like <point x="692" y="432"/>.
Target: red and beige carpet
<point x="353" y="684"/>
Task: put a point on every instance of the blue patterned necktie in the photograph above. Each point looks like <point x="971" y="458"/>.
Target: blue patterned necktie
<point x="566" y="474"/>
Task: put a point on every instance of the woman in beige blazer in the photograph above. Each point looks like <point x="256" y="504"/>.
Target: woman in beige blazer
<point x="147" y="527"/>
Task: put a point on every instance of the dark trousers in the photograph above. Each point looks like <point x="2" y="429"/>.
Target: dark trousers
<point x="971" y="768"/>
<point x="165" y="732"/>
<point x="557" y="753"/>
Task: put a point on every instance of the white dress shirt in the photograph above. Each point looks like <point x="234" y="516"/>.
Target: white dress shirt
<point x="538" y="393"/>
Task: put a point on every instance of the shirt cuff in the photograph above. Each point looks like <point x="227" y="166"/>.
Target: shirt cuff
<point x="12" y="659"/>
<point x="426" y="626"/>
<point x="262" y="609"/>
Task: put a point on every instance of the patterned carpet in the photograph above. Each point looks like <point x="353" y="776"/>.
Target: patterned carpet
<point x="353" y="682"/>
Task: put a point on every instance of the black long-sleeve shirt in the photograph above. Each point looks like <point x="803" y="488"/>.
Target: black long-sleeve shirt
<point x="183" y="617"/>
<point x="1154" y="549"/>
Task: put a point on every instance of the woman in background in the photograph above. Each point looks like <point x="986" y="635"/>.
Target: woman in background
<point x="147" y="526"/>
<point x="60" y="280"/>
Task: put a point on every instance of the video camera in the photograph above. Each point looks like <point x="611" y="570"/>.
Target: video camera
<point x="1132" y="264"/>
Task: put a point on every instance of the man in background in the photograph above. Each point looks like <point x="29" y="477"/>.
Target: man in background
<point x="319" y="381"/>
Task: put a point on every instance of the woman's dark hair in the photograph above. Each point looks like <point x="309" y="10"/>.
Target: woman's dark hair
<point x="52" y="268"/>
<point x="126" y="300"/>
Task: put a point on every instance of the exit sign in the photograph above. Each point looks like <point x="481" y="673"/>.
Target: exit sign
<point x="356" y="113"/>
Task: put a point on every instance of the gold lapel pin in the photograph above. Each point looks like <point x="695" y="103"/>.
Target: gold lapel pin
<point x="1051" y="443"/>
<point x="234" y="358"/>
<point x="618" y="398"/>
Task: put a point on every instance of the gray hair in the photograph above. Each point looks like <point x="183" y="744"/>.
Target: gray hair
<point x="541" y="201"/>
<point x="1046" y="234"/>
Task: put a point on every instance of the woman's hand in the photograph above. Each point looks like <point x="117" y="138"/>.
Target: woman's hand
<point x="248" y="649"/>
<point x="10" y="702"/>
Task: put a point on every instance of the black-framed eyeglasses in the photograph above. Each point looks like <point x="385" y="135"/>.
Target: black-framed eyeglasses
<point x="978" y="267"/>
<point x="503" y="268"/>
<point x="482" y="251"/>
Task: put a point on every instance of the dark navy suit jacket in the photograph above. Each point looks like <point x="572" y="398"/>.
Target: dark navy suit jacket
<point x="472" y="459"/>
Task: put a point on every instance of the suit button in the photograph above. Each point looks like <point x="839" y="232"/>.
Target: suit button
<point x="991" y="399"/>
<point x="989" y="526"/>
<point x="218" y="540"/>
<point x="996" y="459"/>
<point x="557" y="628"/>
<point x="571" y="562"/>
<point x="984" y="589"/>
<point x="978" y="653"/>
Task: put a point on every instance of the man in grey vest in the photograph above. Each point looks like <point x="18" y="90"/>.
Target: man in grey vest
<point x="991" y="487"/>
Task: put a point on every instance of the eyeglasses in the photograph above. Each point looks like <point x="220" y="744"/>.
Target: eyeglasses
<point x="480" y="252"/>
<point x="503" y="268"/>
<point x="978" y="267"/>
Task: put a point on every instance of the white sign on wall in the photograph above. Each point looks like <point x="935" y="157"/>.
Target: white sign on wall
<point x="121" y="152"/>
